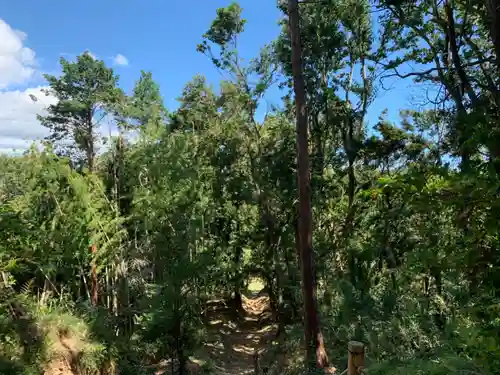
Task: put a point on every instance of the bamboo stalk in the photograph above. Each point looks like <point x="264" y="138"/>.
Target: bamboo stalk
<point x="94" y="284"/>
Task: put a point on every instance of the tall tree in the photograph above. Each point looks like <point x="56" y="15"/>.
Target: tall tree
<point x="315" y="350"/>
<point x="239" y="99"/>
<point x="197" y="106"/>
<point x="85" y="91"/>
<point x="453" y="51"/>
<point x="147" y="108"/>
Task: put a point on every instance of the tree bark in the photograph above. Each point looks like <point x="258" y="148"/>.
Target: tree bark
<point x="90" y="151"/>
<point x="493" y="8"/>
<point x="315" y="351"/>
<point x="455" y="56"/>
<point x="493" y="11"/>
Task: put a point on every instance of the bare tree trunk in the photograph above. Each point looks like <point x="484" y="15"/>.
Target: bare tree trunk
<point x="90" y="151"/>
<point x="493" y="8"/>
<point x="493" y="11"/>
<point x="315" y="350"/>
<point x="455" y="56"/>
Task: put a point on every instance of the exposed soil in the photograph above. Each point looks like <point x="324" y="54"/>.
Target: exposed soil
<point x="63" y="364"/>
<point x="59" y="367"/>
<point x="234" y="342"/>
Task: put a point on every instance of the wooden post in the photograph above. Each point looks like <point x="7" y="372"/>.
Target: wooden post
<point x="356" y="357"/>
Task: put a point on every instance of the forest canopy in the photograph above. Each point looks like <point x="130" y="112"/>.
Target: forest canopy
<point x="387" y="234"/>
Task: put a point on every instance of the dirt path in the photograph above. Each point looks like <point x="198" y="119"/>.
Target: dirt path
<point x="233" y="342"/>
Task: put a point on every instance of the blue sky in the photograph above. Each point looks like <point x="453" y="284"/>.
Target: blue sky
<point x="159" y="36"/>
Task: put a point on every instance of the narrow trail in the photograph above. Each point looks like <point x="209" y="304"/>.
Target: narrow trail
<point x="233" y="342"/>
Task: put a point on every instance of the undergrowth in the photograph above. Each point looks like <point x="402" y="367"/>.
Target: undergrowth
<point x="33" y="337"/>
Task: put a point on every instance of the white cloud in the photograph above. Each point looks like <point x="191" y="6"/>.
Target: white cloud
<point x="17" y="62"/>
<point x="18" y="121"/>
<point x="19" y="125"/>
<point x="120" y="60"/>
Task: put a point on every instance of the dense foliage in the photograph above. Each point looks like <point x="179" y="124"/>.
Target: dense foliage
<point x="186" y="205"/>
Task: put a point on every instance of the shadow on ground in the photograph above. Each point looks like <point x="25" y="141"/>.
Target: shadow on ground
<point x="234" y="340"/>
